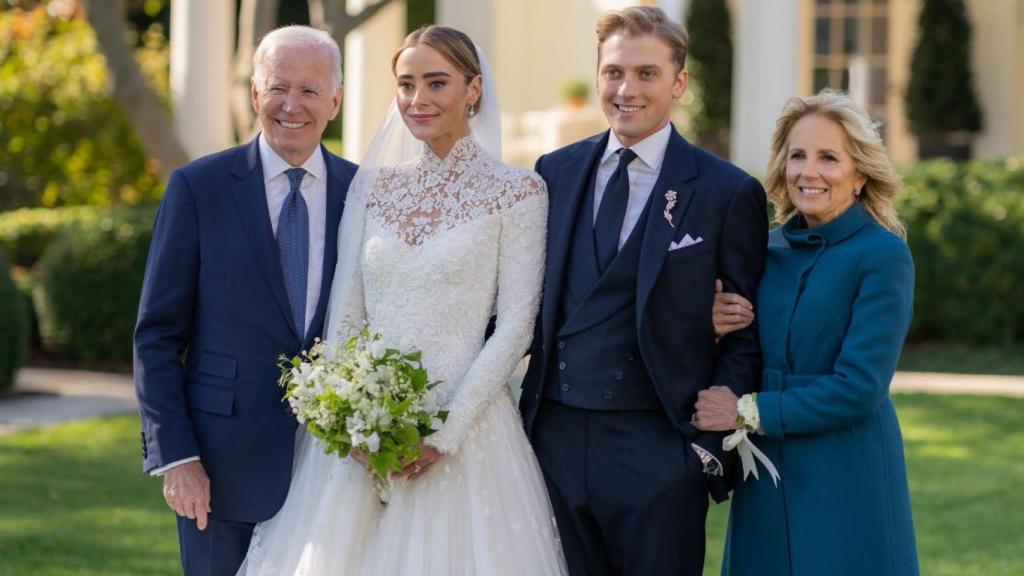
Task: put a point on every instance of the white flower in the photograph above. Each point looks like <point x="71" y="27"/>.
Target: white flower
<point x="436" y="423"/>
<point x="373" y="442"/>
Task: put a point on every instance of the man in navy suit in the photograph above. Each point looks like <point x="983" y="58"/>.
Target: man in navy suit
<point x="641" y="223"/>
<point x="239" y="270"/>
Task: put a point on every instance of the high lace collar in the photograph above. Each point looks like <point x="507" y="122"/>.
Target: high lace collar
<point x="798" y="234"/>
<point x="466" y="149"/>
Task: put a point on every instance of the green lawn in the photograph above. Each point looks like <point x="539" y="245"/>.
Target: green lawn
<point x="73" y="501"/>
<point x="961" y="359"/>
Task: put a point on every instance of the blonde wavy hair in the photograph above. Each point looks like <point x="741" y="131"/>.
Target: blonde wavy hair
<point x="866" y="148"/>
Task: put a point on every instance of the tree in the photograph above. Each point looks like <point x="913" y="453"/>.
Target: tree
<point x="710" y="26"/>
<point x="137" y="98"/>
<point x="941" y="105"/>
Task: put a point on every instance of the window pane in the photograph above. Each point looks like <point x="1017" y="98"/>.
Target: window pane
<point x="845" y="83"/>
<point x="820" y="79"/>
<point x="850" y="28"/>
<point x="879" y="35"/>
<point x="878" y="86"/>
<point x="822" y="36"/>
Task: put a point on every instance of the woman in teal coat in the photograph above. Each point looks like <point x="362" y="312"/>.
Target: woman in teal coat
<point x="834" y="306"/>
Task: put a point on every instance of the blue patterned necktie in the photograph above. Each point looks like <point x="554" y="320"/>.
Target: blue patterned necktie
<point x="293" y="248"/>
<point x="611" y="213"/>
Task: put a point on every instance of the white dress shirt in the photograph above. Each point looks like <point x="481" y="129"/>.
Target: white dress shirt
<point x="643" y="174"/>
<point x="314" y="192"/>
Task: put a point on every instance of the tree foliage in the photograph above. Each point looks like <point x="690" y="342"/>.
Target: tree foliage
<point x="63" y="138"/>
<point x="940" y="96"/>
<point x="710" y="53"/>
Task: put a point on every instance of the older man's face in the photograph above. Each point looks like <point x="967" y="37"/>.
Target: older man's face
<point x="296" y="100"/>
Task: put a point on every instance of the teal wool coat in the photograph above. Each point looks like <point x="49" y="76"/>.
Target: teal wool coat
<point x="833" y="307"/>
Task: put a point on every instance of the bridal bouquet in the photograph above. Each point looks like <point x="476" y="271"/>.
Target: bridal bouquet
<point x="360" y="394"/>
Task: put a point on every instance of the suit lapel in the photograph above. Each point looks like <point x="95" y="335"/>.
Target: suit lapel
<point x="336" y="189"/>
<point x="251" y="199"/>
<point x="573" y="179"/>
<point x="676" y="169"/>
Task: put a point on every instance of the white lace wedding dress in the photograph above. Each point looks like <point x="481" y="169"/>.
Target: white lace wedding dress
<point x="443" y="244"/>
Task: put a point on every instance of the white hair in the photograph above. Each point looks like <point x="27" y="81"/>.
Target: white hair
<point x="295" y="36"/>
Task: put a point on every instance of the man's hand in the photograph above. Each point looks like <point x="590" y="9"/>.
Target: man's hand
<point x="187" y="492"/>
<point x="730" y="312"/>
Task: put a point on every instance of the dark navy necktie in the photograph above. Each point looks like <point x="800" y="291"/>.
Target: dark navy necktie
<point x="293" y="248"/>
<point x="611" y="213"/>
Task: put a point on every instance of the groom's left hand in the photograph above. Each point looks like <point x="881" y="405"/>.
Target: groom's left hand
<point x="428" y="456"/>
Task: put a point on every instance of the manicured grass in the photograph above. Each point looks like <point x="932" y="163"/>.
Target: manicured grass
<point x="960" y="359"/>
<point x="73" y="501"/>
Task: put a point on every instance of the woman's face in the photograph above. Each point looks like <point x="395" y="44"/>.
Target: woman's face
<point x="434" y="98"/>
<point x="821" y="177"/>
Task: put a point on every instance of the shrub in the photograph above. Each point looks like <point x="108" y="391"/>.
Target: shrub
<point x="65" y="140"/>
<point x="87" y="287"/>
<point x="966" y="230"/>
<point x="25" y="233"/>
<point x="13" y="327"/>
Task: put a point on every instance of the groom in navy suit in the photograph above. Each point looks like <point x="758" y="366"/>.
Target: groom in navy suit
<point x="239" y="270"/>
<point x="640" y="225"/>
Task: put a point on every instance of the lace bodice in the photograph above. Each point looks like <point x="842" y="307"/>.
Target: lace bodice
<point x="435" y="195"/>
<point x="443" y="244"/>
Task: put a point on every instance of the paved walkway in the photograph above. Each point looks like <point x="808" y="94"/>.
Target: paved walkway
<point x="49" y="396"/>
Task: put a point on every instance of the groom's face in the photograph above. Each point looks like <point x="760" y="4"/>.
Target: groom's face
<point x="637" y="82"/>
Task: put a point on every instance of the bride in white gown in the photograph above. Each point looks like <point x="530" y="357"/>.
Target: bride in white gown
<point x="437" y="235"/>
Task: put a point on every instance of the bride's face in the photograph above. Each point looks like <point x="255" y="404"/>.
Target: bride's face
<point x="434" y="98"/>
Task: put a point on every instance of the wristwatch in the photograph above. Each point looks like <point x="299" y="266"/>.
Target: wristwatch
<point x="712" y="467"/>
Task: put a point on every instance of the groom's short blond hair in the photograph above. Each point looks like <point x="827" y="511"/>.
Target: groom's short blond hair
<point x="641" y="21"/>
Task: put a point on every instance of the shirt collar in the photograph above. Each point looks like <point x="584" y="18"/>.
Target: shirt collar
<point x="651" y="149"/>
<point x="274" y="165"/>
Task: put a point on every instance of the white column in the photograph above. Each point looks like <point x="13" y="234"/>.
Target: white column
<point x="766" y="75"/>
<point x="369" y="83"/>
<point x="202" y="40"/>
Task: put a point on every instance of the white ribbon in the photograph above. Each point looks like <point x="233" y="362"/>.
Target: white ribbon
<point x="748" y="451"/>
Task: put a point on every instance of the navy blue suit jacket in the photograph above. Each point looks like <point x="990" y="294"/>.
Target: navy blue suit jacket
<point x="213" y="320"/>
<point x="715" y="201"/>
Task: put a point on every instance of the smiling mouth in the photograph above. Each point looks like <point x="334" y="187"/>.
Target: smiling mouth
<point x="807" y="191"/>
<point x="291" y="125"/>
<point x="627" y="109"/>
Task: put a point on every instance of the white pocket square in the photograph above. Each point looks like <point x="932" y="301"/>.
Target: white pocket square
<point x="685" y="242"/>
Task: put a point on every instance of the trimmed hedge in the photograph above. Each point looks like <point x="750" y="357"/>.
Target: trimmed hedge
<point x="26" y="233"/>
<point x="13" y="327"/>
<point x="87" y="287"/>
<point x="966" y="231"/>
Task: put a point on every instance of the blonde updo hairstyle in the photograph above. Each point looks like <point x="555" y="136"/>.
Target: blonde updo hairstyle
<point x="866" y="148"/>
<point x="453" y="45"/>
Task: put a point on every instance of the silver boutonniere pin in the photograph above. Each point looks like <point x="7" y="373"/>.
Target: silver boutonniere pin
<point x="670" y="199"/>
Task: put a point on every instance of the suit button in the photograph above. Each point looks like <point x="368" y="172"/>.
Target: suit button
<point x="565" y="386"/>
<point x="561" y="365"/>
<point x="629" y="356"/>
<point x="608" y="395"/>
<point x="561" y="344"/>
<point x="618" y="375"/>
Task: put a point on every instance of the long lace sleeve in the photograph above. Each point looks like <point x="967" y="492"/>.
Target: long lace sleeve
<point x="346" y="311"/>
<point x="520" y="273"/>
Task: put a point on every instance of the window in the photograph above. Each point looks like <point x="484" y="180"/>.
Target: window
<point x="851" y="41"/>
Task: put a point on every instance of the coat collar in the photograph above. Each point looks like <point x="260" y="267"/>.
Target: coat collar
<point x="797" y="233"/>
